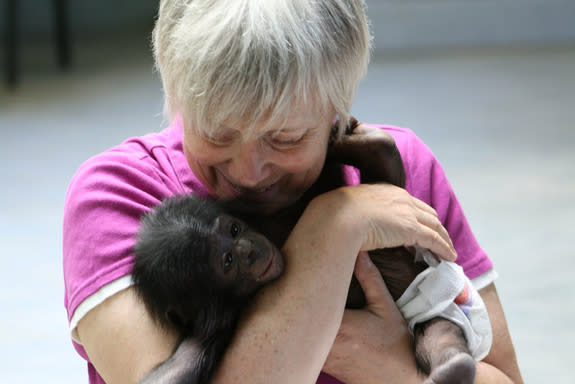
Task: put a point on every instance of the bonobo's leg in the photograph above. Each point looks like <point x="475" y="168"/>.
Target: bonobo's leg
<point x="441" y="353"/>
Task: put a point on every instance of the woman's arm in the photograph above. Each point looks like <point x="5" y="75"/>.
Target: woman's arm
<point x="288" y="332"/>
<point x="121" y="339"/>
<point x="501" y="362"/>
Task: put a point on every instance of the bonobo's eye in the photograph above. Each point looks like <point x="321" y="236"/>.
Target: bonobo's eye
<point x="234" y="229"/>
<point x="228" y="261"/>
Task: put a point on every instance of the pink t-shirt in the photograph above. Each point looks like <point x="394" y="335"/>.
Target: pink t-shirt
<point x="111" y="191"/>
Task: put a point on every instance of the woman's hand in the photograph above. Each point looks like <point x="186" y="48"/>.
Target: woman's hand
<point x="386" y="216"/>
<point x="373" y="344"/>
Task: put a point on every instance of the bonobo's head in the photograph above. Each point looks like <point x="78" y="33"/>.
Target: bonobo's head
<point x="241" y="258"/>
<point x="195" y="261"/>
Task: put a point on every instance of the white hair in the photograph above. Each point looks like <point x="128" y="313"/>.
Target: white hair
<point x="252" y="59"/>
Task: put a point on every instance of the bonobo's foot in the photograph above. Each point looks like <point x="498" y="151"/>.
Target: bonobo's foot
<point x="460" y="369"/>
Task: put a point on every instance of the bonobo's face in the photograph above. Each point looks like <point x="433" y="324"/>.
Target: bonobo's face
<point x="242" y="258"/>
<point x="271" y="167"/>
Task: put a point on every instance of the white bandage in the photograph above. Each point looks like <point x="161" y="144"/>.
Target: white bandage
<point x="443" y="290"/>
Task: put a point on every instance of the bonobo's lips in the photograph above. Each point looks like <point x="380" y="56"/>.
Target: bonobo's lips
<point x="274" y="266"/>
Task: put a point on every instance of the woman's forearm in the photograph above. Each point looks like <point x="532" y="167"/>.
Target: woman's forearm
<point x="287" y="333"/>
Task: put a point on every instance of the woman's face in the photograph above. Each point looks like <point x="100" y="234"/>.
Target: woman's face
<point x="270" y="168"/>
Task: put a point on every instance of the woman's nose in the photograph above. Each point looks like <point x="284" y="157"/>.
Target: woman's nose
<point x="249" y="166"/>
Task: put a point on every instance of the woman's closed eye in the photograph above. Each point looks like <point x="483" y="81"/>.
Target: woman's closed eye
<point x="286" y="141"/>
<point x="220" y="138"/>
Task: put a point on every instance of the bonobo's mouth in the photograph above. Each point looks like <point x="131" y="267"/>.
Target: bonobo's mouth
<point x="274" y="266"/>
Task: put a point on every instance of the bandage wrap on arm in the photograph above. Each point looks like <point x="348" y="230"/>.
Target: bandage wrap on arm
<point x="443" y="290"/>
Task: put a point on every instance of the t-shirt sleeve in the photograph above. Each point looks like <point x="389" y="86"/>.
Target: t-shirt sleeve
<point x="426" y="180"/>
<point x="104" y="203"/>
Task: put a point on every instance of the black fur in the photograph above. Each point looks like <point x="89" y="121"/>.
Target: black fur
<point x="172" y="276"/>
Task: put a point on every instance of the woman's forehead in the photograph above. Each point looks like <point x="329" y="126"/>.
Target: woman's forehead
<point x="299" y="117"/>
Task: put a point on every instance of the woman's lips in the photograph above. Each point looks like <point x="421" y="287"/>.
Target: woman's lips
<point x="255" y="194"/>
<point x="248" y="191"/>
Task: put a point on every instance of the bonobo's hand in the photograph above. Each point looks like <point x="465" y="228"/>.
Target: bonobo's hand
<point x="373" y="344"/>
<point x="372" y="150"/>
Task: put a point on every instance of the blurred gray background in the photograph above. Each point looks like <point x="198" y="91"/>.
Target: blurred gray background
<point x="489" y="85"/>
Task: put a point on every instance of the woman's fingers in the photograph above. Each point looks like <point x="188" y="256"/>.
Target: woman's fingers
<point x="432" y="240"/>
<point x="424" y="206"/>
<point x="435" y="237"/>
<point x="425" y="228"/>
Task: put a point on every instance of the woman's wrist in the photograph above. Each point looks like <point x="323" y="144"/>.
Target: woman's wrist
<point x="328" y="220"/>
<point x="340" y="211"/>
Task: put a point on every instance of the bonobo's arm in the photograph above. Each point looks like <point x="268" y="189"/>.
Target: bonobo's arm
<point x="179" y="367"/>
<point x="372" y="150"/>
<point x="193" y="362"/>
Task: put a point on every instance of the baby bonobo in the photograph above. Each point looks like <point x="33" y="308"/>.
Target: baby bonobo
<point x="196" y="267"/>
<point x="199" y="262"/>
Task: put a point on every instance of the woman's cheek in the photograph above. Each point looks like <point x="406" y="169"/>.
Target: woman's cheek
<point x="206" y="153"/>
<point x="302" y="159"/>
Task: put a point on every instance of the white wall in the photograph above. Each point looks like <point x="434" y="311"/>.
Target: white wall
<point x="86" y="16"/>
<point x="441" y="23"/>
<point x="396" y="23"/>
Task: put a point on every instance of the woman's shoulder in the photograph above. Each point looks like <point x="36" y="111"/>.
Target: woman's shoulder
<point x="146" y="163"/>
<point x="134" y="152"/>
<point x="104" y="202"/>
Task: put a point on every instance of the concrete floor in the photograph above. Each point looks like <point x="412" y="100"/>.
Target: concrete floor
<point x="501" y="121"/>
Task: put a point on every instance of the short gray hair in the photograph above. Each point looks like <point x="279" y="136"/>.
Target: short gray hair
<point x="225" y="59"/>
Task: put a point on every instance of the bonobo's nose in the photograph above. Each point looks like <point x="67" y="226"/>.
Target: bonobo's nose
<point x="244" y="248"/>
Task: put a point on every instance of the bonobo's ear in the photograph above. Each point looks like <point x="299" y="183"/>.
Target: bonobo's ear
<point x="370" y="149"/>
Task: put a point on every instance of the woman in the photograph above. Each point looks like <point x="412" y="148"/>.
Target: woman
<point x="252" y="88"/>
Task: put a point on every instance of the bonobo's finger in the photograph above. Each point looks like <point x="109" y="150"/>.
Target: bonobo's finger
<point x="376" y="293"/>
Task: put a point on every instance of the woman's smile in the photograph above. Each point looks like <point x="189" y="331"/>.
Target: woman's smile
<point x="264" y="192"/>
